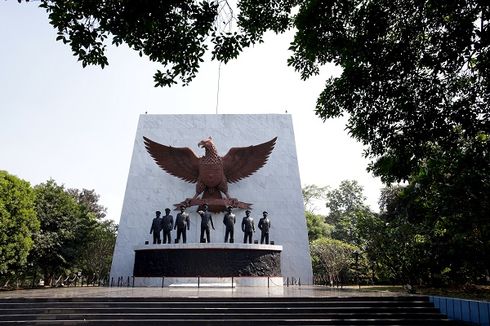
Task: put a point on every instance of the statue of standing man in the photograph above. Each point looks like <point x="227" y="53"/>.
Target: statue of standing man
<point x="167" y="226"/>
<point x="206" y="222"/>
<point x="156" y="228"/>
<point x="248" y="227"/>
<point x="229" y="222"/>
<point x="264" y="226"/>
<point x="182" y="224"/>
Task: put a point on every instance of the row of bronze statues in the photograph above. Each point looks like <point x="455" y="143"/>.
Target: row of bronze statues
<point x="182" y="224"/>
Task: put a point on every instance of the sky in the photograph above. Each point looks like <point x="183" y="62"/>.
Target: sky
<point x="77" y="125"/>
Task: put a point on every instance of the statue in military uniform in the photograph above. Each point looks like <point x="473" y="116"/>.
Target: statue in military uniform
<point x="229" y="222"/>
<point x="182" y="224"/>
<point x="156" y="227"/>
<point x="167" y="226"/>
<point x="264" y="226"/>
<point x="248" y="227"/>
<point x="206" y="223"/>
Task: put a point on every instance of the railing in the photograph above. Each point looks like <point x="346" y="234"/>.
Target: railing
<point x="62" y="280"/>
<point x="200" y="281"/>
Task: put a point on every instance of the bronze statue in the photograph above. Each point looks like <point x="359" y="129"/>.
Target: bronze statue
<point x="182" y="223"/>
<point x="264" y="226"/>
<point x="211" y="173"/>
<point x="156" y="227"/>
<point x="248" y="227"/>
<point x="167" y="226"/>
<point x="206" y="222"/>
<point x="229" y="222"/>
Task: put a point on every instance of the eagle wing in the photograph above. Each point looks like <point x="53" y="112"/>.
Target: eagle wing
<point x="177" y="161"/>
<point x="241" y="162"/>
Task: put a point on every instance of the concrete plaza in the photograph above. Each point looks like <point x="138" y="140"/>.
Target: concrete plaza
<point x="168" y="292"/>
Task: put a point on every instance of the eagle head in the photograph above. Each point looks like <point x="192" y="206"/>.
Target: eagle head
<point x="206" y="143"/>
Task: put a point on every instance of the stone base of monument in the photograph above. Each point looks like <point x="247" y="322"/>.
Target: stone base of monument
<point x="226" y="264"/>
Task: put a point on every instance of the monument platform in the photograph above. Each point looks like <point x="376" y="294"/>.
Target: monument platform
<point x="249" y="264"/>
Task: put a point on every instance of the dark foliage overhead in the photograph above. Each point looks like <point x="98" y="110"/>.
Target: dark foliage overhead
<point x="415" y="73"/>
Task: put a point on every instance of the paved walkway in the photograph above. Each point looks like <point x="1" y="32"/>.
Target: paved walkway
<point x="97" y="292"/>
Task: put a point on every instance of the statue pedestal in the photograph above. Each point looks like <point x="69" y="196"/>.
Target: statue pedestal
<point x="207" y="260"/>
<point x="218" y="265"/>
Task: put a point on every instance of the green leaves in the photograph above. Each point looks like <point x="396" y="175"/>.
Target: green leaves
<point x="96" y="256"/>
<point x="18" y="222"/>
<point x="60" y="219"/>
<point x="331" y="258"/>
<point x="317" y="228"/>
<point x="334" y="238"/>
<point x="51" y="229"/>
<point x="70" y="223"/>
<point x="409" y="74"/>
<point x="312" y="193"/>
<point x="172" y="33"/>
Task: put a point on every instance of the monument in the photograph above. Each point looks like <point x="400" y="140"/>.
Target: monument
<point x="258" y="172"/>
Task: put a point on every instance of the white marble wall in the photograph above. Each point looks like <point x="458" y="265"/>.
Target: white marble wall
<point x="276" y="187"/>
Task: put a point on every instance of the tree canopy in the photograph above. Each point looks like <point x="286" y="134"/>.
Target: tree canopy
<point x="18" y="222"/>
<point x="331" y="258"/>
<point x="312" y="193"/>
<point x="60" y="236"/>
<point x="415" y="73"/>
<point x="71" y="236"/>
<point x="96" y="257"/>
<point x="346" y="206"/>
<point x="317" y="228"/>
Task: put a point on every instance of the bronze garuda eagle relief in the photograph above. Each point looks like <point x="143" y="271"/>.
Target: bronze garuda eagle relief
<point x="211" y="172"/>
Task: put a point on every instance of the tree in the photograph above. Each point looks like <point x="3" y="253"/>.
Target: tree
<point x="18" y="222"/>
<point x="317" y="228"/>
<point x="346" y="206"/>
<point x="398" y="251"/>
<point x="89" y="202"/>
<point x="96" y="257"/>
<point x="63" y="230"/>
<point x="443" y="232"/>
<point x="414" y="73"/>
<point x="451" y="193"/>
<point x="173" y="33"/>
<point x="311" y="193"/>
<point x="415" y="85"/>
<point x="330" y="259"/>
<point x="348" y="197"/>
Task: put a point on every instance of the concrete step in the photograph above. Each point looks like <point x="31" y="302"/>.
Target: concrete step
<point x="229" y="304"/>
<point x="184" y="310"/>
<point x="238" y="322"/>
<point x="410" y="310"/>
<point x="222" y="315"/>
<point x="221" y="299"/>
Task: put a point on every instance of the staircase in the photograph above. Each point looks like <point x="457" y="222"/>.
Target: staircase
<point x="406" y="310"/>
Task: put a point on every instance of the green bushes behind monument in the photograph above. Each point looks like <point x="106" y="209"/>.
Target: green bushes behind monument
<point x="419" y="237"/>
